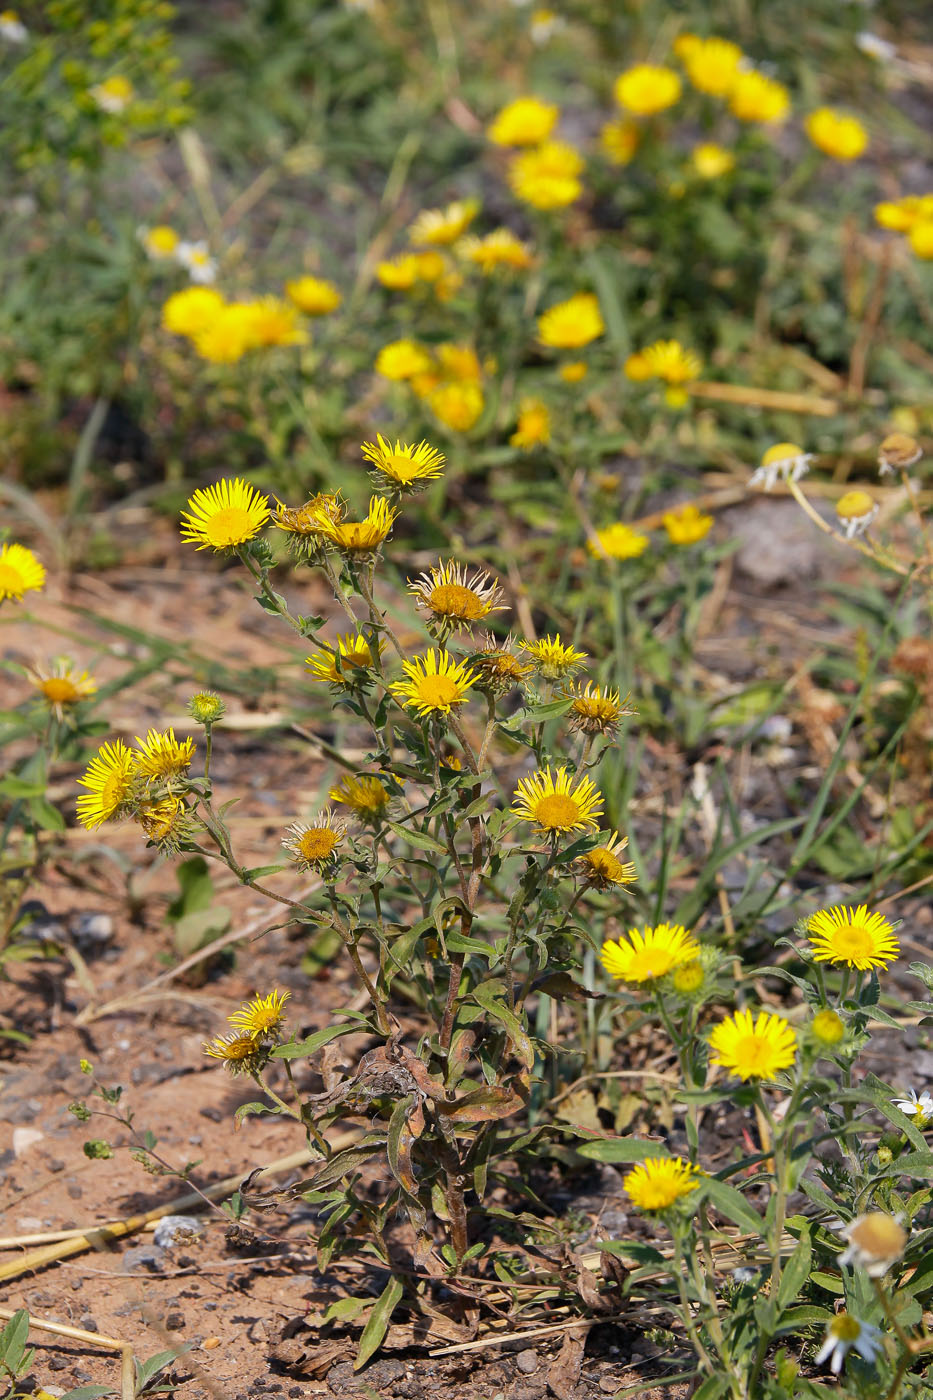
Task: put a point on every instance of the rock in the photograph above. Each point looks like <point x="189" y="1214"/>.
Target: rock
<point x="21" y="1110"/>
<point x="24" y="1138"/>
<point x="527" y="1361"/>
<point x="91" y="931"/>
<point x="38" y="925"/>
<point x="175" y="1321"/>
<point x="88" y="1323"/>
<point x="143" y="1257"/>
<point x="779" y="543"/>
<point x="175" y="1229"/>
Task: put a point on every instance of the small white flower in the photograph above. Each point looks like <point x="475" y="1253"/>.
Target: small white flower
<point x="855" y="511"/>
<point x="875" y="46"/>
<point x="113" y="95"/>
<point x="197" y="261"/>
<point x="875" y="1241"/>
<point x="12" y="28"/>
<point x="844" y="1333"/>
<point x="544" y="25"/>
<point x="785" y="461"/>
<point x="919" y="1106"/>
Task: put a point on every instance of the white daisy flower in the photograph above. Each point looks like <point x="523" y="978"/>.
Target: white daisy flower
<point x="874" y="1242"/>
<point x="197" y="261"/>
<point x="919" y="1106"/>
<point x="12" y="28"/>
<point x="844" y="1334"/>
<point x="785" y="461"/>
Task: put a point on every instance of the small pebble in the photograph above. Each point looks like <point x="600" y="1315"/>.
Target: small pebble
<point x="24" y="1138"/>
<point x="88" y="1323"/>
<point x="175" y="1321"/>
<point x="92" y="930"/>
<point x="527" y="1361"/>
<point x="210" y="1343"/>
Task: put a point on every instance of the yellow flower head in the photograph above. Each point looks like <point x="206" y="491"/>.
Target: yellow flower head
<point x="618" y="541"/>
<point x="431" y="265"/>
<point x="661" y="1181"/>
<point x="443" y="226"/>
<point x="457" y="406"/>
<point x="191" y="311"/>
<point x="687" y="524"/>
<point x="313" y="295"/>
<point x="855" y="511"/>
<point x="525" y="122"/>
<point x="402" y="359"/>
<point x="240" y="1053"/>
<point x="496" y="250"/>
<point x="312" y="846"/>
<point x="205" y="707"/>
<point x="637" y="368"/>
<point x="160" y="241"/>
<point x="594" y="710"/>
<point x="498" y="669"/>
<point x="753" y="1048"/>
<point x="647" y="89"/>
<point x="114" y="94"/>
<point x="403" y="468"/>
<point x="363" y="794"/>
<point x="459" y="363"/>
<point x="573" y="371"/>
<point x="354" y="657"/>
<point x="534" y="425"/>
<point x="711" y="161"/>
<point x="555" y="804"/>
<point x="836" y="134"/>
<point x="668" y="360"/>
<point x="620" y="140"/>
<point x="601" y="866"/>
<point x="224" y="515"/>
<point x="712" y="65"/>
<point x="547" y="176"/>
<point x="262" y="1017"/>
<point x="649" y="953"/>
<point x="434" y="684"/>
<point x="165" y="823"/>
<point x="898" y="450"/>
<point x="827" y="1028"/>
<point x="572" y="323"/>
<point x="553" y="659"/>
<point x="784" y="461"/>
<point x="920" y="238"/>
<point x="61" y="687"/>
<point x="451" y="600"/>
<point x="399" y="274"/>
<point x="228" y="335"/>
<point x="853" y="938"/>
<point x="20" y="572"/>
<point x="110" y="782"/>
<point x="274" y="321"/>
<point x="754" y="97"/>
<point x="359" y="537"/>
<point x="162" y="757"/>
<point x="900" y="215"/>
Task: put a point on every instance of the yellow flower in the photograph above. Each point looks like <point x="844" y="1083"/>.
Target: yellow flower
<point x="497" y="249"/>
<point x="555" y="805"/>
<point x="241" y="1054"/>
<point x="753" y="1048"/>
<point x="548" y="176"/>
<point x="273" y="321"/>
<point x="160" y="241"/>
<point x="303" y="524"/>
<point x="712" y="65"/>
<point x="619" y="140"/>
<point x="659" y="1182"/>
<point x="553" y="659"/>
<point x="353" y="654"/>
<point x="430" y="265"/>
<point x="357" y="537"/>
<point x="898" y="450"/>
<point x="687" y="979"/>
<point x="459" y="363"/>
<point x="601" y="866"/>
<point x="618" y="541"/>
<point x="114" y="94"/>
<point x="784" y="461"/>
<point x="403" y="467"/>
<point x="855" y="511"/>
<point x="166" y="823"/>
<point x="228" y="335"/>
<point x="435" y="684"/>
<point x="525" y="122"/>
<point x="224" y="515"/>
<point x="573" y="371"/>
<point x="836" y="134"/>
<point x="570" y="324"/>
<point x="262" y="1017"/>
<point x="534" y="425"/>
<point x="921" y="239"/>
<point x="637" y="368"/>
<point x="162" y="757"/>
<point x="20" y="572"/>
<point x="711" y="161"/>
<point x="312" y="847"/>
<point x="649" y="953"/>
<point x="451" y="600"/>
<point x="668" y="360"/>
<point x="110" y="782"/>
<point x="757" y="98"/>
<point x="443" y="226"/>
<point x="402" y="359"/>
<point x="901" y="214"/>
<point x="687" y="524"/>
<point x="647" y="89"/>
<point x="398" y="274"/>
<point x="499" y="669"/>
<point x="827" y="1027"/>
<point x="596" y="711"/>
<point x="191" y="311"/>
<point x="61" y="687"/>
<point x="362" y="793"/>
<point x="852" y="938"/>
<point x="313" y="295"/>
<point x="457" y="406"/>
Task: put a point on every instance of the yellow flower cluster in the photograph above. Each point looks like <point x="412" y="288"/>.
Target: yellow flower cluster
<point x="20" y="572"/>
<point x="118" y="778"/>
<point x="911" y="215"/>
<point x="222" y="332"/>
<point x="448" y="377"/>
<point x="669" y="361"/>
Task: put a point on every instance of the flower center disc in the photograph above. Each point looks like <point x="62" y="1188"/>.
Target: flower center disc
<point x="113" y="793"/>
<point x="440" y="692"/>
<point x="651" y="963"/>
<point x="12" y="583"/>
<point x="852" y="942"/>
<point x="228" y="526"/>
<point x="317" y="844"/>
<point x="557" y="812"/>
<point x="400" y="466"/>
<point x="59" y="690"/>
<point x="605" y="864"/>
<point x="754" y="1055"/>
<point x="454" y="600"/>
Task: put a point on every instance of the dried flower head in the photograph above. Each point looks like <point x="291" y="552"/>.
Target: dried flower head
<point x="601" y="866"/>
<point x="875" y="1241"/>
<point x="168" y="824"/>
<point x="497" y="667"/>
<point x="556" y="804"/>
<point x="451" y="600"/>
<point x="898" y="451"/>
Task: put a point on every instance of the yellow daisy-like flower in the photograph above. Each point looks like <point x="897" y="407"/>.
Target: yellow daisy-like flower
<point x="754" y="97"/>
<point x="431" y="266"/>
<point x="457" y="406"/>
<point x="402" y="359"/>
<point x="525" y="122"/>
<point x="571" y="323"/>
<point x="353" y="654"/>
<point x="852" y="938"/>
<point x="555" y="804"/>
<point x="753" y="1048"/>
<point x="548" y="176"/>
<point x="443" y="226"/>
<point x="435" y="684"/>
<point x="399" y="274"/>
<point x="262" y="1017"/>
<point x="240" y="1053"/>
<point x="160" y="241"/>
<point x="573" y="371"/>
<point x="553" y="659"/>
<point x="661" y="1181"/>
<point x="274" y="321"/>
<point x="711" y="161"/>
<point x="637" y="368"/>
<point x="596" y="711"/>
<point x="312" y="846"/>
<point x="362" y="793"/>
<point x="167" y="824"/>
<point x="110" y="780"/>
<point x="668" y="360"/>
<point x="647" y="89"/>
<point x="920" y="238"/>
<point x="712" y="65"/>
<point x="649" y="953"/>
<point x="61" y="687"/>
<point x="224" y="515"/>
<point x="618" y="541"/>
<point x="191" y="311"/>
<point x="403" y="467"/>
<point x="784" y="461"/>
<point x="459" y="363"/>
<point x="601" y="866"/>
<point x="687" y="524"/>
<point x="114" y="94"/>
<point x="620" y="140"/>
<point x="228" y="335"/>
<point x="534" y="425"/>
<point x="836" y="134"/>
<point x="20" y="572"/>
<point x="358" y="537"/>
<point x="313" y="295"/>
<point x="499" y="670"/>
<point x="901" y="215"/>
<point x="162" y="757"/>
<point x="453" y="601"/>
<point x="855" y="511"/>
<point x="495" y="250"/>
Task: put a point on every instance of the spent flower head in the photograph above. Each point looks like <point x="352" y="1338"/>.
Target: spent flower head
<point x="595" y="709"/>
<point x="874" y="1242"/>
<point x="312" y="846"/>
<point x="898" y="451"/>
<point x="240" y="1052"/>
<point x="498" y="669"/>
<point x="452" y="600"/>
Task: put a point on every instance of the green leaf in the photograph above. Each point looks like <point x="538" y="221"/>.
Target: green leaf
<point x="89" y="1392"/>
<point x="345" y="1309"/>
<point x="13" y="1339"/>
<point x="258" y="871"/>
<point x="147" y="1371"/>
<point x="197" y="888"/>
<point x="203" y="926"/>
<point x="378" y="1322"/>
<point x="804" y="1317"/>
<point x="248" y="1110"/>
<point x="712" y="1387"/>
<point x="622" y="1149"/>
<point x="552" y="710"/>
<point x="418" y="838"/>
<point x="45" y="815"/>
<point x="732" y="1204"/>
<point x="832" y="1283"/>
<point x="485" y="995"/>
<point x="796" y="1270"/>
<point x="301" y="1049"/>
